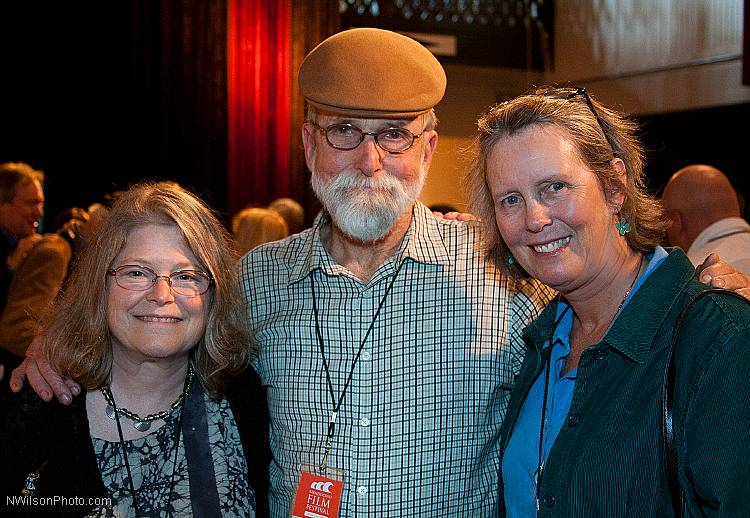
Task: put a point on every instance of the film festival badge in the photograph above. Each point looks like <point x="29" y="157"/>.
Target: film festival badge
<point x="317" y="496"/>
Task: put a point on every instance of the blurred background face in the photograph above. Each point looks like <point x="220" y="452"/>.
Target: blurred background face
<point x="156" y="323"/>
<point x="21" y="215"/>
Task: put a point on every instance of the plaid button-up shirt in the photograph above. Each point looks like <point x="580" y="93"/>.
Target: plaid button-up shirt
<point x="417" y="433"/>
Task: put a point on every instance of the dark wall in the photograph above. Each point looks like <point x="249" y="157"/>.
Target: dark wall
<point x="61" y="98"/>
<point x="101" y="94"/>
<point x="714" y="136"/>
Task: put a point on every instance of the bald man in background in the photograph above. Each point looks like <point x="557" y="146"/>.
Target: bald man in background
<point x="705" y="215"/>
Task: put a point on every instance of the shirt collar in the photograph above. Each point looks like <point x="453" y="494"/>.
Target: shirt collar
<point x="541" y="329"/>
<point x="423" y="243"/>
<point x="650" y="304"/>
<point x="716" y="230"/>
<point x="313" y="255"/>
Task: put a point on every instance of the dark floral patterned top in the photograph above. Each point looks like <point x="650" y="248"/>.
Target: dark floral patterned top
<point x="152" y="458"/>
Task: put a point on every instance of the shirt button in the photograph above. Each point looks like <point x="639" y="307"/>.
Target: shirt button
<point x="365" y="355"/>
<point x="364" y="422"/>
<point x="600" y="354"/>
<point x="549" y="500"/>
<point x="362" y="490"/>
<point x="574" y="419"/>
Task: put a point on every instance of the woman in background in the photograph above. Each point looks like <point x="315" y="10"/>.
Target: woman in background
<point x="255" y="225"/>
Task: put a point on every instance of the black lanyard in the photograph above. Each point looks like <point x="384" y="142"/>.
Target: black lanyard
<point x="337" y="404"/>
<point x="540" y="466"/>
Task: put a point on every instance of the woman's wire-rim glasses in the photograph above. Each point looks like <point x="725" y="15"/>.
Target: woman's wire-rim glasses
<point x="188" y="283"/>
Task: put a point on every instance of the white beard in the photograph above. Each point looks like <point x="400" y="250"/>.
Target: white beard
<point x="366" y="208"/>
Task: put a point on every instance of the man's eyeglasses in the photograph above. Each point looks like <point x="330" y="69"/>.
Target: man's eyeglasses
<point x="570" y="93"/>
<point x="188" y="283"/>
<point x="347" y="137"/>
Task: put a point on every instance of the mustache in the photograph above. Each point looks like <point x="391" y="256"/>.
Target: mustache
<point x="354" y="180"/>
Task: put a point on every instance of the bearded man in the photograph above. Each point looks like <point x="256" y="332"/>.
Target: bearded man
<point x="387" y="344"/>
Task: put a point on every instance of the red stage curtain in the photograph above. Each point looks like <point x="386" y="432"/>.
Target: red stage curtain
<point x="259" y="105"/>
<point x="312" y="22"/>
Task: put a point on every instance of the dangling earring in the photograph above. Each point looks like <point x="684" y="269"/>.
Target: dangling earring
<point x="510" y="260"/>
<point x="623" y="227"/>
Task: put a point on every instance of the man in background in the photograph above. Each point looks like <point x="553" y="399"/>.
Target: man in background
<point x="21" y="206"/>
<point x="35" y="284"/>
<point x="705" y="214"/>
<point x="254" y="226"/>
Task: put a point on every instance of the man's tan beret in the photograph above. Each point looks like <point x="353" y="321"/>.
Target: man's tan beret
<point x="372" y="73"/>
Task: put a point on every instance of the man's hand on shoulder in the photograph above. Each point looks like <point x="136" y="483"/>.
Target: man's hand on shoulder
<point x="41" y="377"/>
<point x="719" y="274"/>
<point x="455" y="216"/>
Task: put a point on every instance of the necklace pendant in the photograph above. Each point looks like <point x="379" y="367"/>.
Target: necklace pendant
<point x="142" y="426"/>
<point x="111" y="412"/>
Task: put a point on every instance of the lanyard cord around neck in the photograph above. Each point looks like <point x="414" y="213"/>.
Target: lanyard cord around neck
<point x="540" y="465"/>
<point x="178" y="434"/>
<point x="337" y="403"/>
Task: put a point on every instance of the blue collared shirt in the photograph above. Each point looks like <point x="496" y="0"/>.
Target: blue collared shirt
<point x="521" y="457"/>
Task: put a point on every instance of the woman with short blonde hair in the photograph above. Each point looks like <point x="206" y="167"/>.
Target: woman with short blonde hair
<point x="254" y="226"/>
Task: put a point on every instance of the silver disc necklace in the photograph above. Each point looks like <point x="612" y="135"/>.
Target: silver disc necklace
<point x="142" y="424"/>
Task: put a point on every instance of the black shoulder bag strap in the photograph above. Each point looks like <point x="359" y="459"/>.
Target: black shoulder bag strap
<point x="668" y="401"/>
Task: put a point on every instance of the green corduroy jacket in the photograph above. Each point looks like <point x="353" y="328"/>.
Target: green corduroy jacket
<point x="609" y="458"/>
